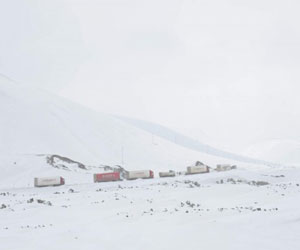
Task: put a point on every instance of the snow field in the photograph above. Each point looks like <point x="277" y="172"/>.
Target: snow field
<point x="172" y="213"/>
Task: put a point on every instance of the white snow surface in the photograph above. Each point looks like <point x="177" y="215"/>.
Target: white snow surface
<point x="218" y="210"/>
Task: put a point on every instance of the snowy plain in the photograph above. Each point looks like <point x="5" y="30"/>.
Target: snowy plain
<point x="219" y="210"/>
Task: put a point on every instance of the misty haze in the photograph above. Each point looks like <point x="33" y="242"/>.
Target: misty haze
<point x="149" y="125"/>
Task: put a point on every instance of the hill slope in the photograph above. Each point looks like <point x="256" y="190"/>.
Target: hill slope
<point x="34" y="122"/>
<point x="188" y="142"/>
<point x="282" y="151"/>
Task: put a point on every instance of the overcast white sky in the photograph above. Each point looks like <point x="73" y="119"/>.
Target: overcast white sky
<point x="228" y="69"/>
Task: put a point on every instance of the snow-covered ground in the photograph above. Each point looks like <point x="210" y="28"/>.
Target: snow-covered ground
<point x="253" y="207"/>
<point x="247" y="208"/>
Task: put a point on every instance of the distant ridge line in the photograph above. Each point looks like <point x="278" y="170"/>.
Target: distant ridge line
<point x="189" y="142"/>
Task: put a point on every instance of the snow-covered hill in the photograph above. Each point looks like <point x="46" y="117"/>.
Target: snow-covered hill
<point x="35" y="123"/>
<point x="252" y="207"/>
<point x="276" y="150"/>
<point x="191" y="143"/>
